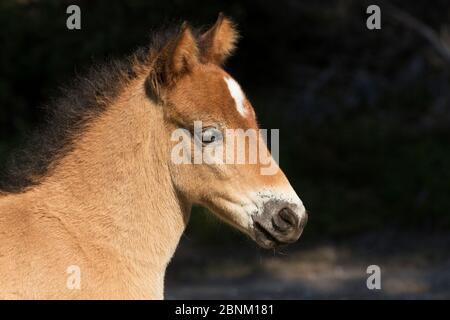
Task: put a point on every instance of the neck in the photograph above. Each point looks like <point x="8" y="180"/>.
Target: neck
<point x="114" y="193"/>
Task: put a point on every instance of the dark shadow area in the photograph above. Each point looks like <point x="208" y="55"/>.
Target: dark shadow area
<point x="416" y="267"/>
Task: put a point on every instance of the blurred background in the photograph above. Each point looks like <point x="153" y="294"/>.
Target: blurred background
<point x="364" y="119"/>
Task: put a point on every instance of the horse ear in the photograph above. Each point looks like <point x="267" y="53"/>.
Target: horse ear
<point x="219" y="42"/>
<point x="183" y="53"/>
<point x="176" y="59"/>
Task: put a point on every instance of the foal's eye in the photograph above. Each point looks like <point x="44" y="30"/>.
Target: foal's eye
<point x="210" y="135"/>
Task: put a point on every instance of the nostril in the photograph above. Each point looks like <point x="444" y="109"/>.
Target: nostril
<point x="285" y="220"/>
<point x="289" y="217"/>
<point x="280" y="224"/>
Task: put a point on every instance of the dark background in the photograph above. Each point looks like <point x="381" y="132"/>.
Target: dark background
<point x="364" y="119"/>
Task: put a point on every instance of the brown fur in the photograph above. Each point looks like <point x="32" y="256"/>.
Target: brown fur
<point x="219" y="42"/>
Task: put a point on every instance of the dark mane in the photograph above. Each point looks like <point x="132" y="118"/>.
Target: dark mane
<point x="83" y="100"/>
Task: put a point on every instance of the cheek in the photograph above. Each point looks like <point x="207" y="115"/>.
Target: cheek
<point x="195" y="181"/>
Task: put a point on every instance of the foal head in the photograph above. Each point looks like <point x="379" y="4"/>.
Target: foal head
<point x="202" y="104"/>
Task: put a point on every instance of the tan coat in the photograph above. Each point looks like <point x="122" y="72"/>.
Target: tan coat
<point x="105" y="221"/>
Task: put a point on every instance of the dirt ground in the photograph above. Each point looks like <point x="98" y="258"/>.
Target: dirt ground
<point x="412" y="267"/>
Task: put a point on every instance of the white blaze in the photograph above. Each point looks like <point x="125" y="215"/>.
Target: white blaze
<point x="237" y="94"/>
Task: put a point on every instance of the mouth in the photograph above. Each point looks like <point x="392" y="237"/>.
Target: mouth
<point x="265" y="238"/>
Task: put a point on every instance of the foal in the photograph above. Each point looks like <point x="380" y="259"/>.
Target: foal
<point x="107" y="201"/>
